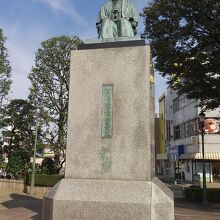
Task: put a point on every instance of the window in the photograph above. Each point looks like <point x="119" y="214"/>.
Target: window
<point x="181" y="102"/>
<point x="182" y="131"/>
<point x="176" y="104"/>
<point x="191" y="128"/>
<point x="177" y="132"/>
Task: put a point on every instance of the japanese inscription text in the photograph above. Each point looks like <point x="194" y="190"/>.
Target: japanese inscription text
<point x="107" y="92"/>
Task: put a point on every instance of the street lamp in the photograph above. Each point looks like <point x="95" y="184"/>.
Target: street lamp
<point x="35" y="149"/>
<point x="202" y="121"/>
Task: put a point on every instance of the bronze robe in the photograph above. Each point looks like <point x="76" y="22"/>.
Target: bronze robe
<point x="125" y="26"/>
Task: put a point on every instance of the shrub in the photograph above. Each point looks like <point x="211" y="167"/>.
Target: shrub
<point x="48" y="166"/>
<point x="193" y="194"/>
<point x="46" y="180"/>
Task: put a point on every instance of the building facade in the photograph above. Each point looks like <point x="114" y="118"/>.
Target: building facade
<point x="179" y="117"/>
<point x="161" y="156"/>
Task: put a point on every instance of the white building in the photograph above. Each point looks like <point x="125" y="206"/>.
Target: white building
<point x="183" y="139"/>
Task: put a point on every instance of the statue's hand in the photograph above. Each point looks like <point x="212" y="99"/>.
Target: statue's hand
<point x="98" y="25"/>
<point x="134" y="23"/>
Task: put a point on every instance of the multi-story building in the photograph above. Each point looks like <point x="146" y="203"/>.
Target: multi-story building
<point x="157" y="143"/>
<point x="161" y="156"/>
<point x="180" y="133"/>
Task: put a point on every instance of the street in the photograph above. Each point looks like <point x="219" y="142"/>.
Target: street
<point x="192" y="211"/>
<point x="25" y="207"/>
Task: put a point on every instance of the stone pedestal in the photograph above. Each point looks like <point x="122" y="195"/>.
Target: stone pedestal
<point x="110" y="177"/>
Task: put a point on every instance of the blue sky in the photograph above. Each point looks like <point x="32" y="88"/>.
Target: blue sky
<point x="26" y="23"/>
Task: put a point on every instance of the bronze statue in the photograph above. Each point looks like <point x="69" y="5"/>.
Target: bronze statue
<point x="117" y="18"/>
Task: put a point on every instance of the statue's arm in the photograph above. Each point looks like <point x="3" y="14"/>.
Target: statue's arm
<point x="131" y="13"/>
<point x="103" y="14"/>
<point x="99" y="20"/>
<point x="133" y="17"/>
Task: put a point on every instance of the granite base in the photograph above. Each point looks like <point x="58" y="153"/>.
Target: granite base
<point x="74" y="199"/>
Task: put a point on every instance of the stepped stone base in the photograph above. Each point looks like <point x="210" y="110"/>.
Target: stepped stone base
<point x="75" y="199"/>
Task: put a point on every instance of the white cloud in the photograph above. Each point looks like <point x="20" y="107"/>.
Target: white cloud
<point x="67" y="7"/>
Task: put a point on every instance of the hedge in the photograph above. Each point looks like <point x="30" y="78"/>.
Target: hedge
<point x="193" y="194"/>
<point x="46" y="180"/>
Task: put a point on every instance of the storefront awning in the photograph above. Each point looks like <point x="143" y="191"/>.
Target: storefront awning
<point x="198" y="156"/>
<point x="161" y="156"/>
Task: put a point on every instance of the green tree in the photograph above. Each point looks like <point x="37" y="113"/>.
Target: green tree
<point x="2" y="163"/>
<point x="48" y="166"/>
<point x="19" y="163"/>
<point x="5" y="69"/>
<point x="50" y="85"/>
<point x="18" y="127"/>
<point x="185" y="41"/>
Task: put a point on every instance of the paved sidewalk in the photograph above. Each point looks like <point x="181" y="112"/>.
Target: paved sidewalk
<point x="20" y="206"/>
<point x="196" y="211"/>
